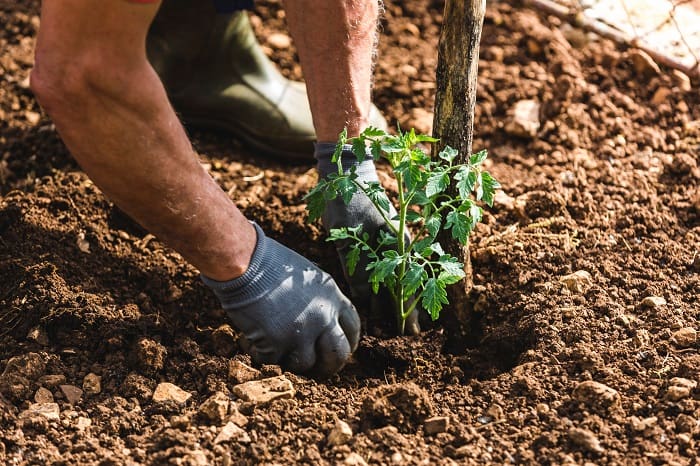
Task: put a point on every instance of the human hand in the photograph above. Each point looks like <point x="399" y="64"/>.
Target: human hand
<point x="291" y="312"/>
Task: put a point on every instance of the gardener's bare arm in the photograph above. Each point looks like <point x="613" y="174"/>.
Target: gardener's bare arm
<point x="93" y="78"/>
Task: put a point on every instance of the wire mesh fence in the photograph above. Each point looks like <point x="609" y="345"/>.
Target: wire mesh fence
<point x="668" y="30"/>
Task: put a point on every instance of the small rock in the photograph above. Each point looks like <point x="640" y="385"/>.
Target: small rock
<point x="72" y="393"/>
<point x="150" y="355"/>
<point x="215" y="408"/>
<point x="39" y="335"/>
<point x="595" y="394"/>
<point x="52" y="380"/>
<point x="235" y="416"/>
<point x="682" y="382"/>
<point x="92" y="384"/>
<point x="681" y="80"/>
<point x="43" y="395"/>
<point x="542" y="408"/>
<point x="503" y="200"/>
<point x="525" y="119"/>
<point x="585" y="439"/>
<point x="279" y="41"/>
<point x="652" y="302"/>
<point x="661" y="95"/>
<point x="436" y="425"/>
<point x="422" y="120"/>
<point x="685" y="423"/>
<point x="83" y="423"/>
<point x="340" y="434"/>
<point x="578" y="281"/>
<point x="641" y="425"/>
<point x="353" y="459"/>
<point x="263" y="391"/>
<point x="166" y="391"/>
<point x="232" y="432"/>
<point x="643" y="64"/>
<point x="685" y="337"/>
<point x="239" y="372"/>
<point x="48" y="410"/>
<point x="684" y="439"/>
<point x="495" y="412"/>
<point x="32" y="117"/>
<point x="676" y="393"/>
<point x="181" y="421"/>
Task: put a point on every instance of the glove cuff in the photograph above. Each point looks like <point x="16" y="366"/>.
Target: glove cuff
<point x="262" y="275"/>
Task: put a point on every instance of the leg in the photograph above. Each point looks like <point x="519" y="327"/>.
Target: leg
<point x="111" y="110"/>
<point x="336" y="40"/>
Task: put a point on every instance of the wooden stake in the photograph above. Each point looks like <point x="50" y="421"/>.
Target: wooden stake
<point x="458" y="60"/>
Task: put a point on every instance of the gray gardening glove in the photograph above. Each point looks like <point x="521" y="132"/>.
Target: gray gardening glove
<point x="360" y="211"/>
<point x="291" y="312"/>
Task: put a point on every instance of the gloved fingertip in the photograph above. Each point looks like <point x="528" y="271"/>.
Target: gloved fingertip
<point x="333" y="350"/>
<point x="349" y="321"/>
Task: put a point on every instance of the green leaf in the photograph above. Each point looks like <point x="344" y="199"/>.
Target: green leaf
<point x="375" y="192"/>
<point x="376" y="149"/>
<point x="433" y="224"/>
<point x="434" y="297"/>
<point x="489" y="185"/>
<point x="359" y="148"/>
<point x="448" y="153"/>
<point x="386" y="239"/>
<point x="437" y="182"/>
<point x="372" y="132"/>
<point x="425" y="138"/>
<point x="383" y="269"/>
<point x="342" y="139"/>
<point x="316" y="201"/>
<point x="411" y="173"/>
<point x="344" y="186"/>
<point x="415" y="275"/>
<point x="412" y="217"/>
<point x="420" y="158"/>
<point x="459" y="225"/>
<point x="475" y="215"/>
<point x="419" y="198"/>
<point x="452" y="269"/>
<point x="478" y="158"/>
<point x="466" y="180"/>
<point x="352" y="258"/>
<point x="337" y="234"/>
<point x="437" y="249"/>
<point x="422" y="246"/>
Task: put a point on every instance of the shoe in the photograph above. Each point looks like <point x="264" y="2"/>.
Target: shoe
<point x="217" y="76"/>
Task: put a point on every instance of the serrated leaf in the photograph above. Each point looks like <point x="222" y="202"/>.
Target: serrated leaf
<point x="412" y="217"/>
<point x="375" y="192"/>
<point x="386" y="239"/>
<point x="452" y="269"/>
<point x="466" y="180"/>
<point x="448" y="154"/>
<point x="419" y="198"/>
<point x="384" y="268"/>
<point x="376" y="149"/>
<point x="433" y="224"/>
<point x="419" y="157"/>
<point x="359" y="148"/>
<point x="373" y="132"/>
<point x="459" y="225"/>
<point x="316" y="201"/>
<point x="437" y="249"/>
<point x="411" y="174"/>
<point x="475" y="215"/>
<point x="337" y="234"/>
<point x="478" y="158"/>
<point x="345" y="188"/>
<point x="434" y="296"/>
<point x="352" y="258"/>
<point x="489" y="185"/>
<point x="414" y="277"/>
<point x="423" y="246"/>
<point x="437" y="182"/>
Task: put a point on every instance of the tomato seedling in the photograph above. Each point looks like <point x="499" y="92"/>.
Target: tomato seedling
<point x="414" y="268"/>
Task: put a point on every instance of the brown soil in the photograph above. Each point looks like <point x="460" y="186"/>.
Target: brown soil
<point x="608" y="186"/>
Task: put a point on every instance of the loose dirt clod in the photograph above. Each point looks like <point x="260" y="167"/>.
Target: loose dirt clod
<point x="239" y="372"/>
<point x="261" y="392"/>
<point x="43" y="395"/>
<point x="215" y="409"/>
<point x="597" y="396"/>
<point x="166" y="391"/>
<point x="404" y="406"/>
<point x="340" y="434"/>
<point x="686" y="337"/>
<point x="585" y="439"/>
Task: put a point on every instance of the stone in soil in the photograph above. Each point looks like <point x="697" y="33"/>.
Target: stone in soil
<point x="232" y="432"/>
<point x="215" y="409"/>
<point x="72" y="393"/>
<point x="49" y="411"/>
<point x="43" y="395"/>
<point x="436" y="425"/>
<point x="18" y="379"/>
<point x="652" y="302"/>
<point x="578" y="281"/>
<point x="685" y="337"/>
<point x="353" y="459"/>
<point x="585" y="439"/>
<point x="166" y="391"/>
<point x="525" y="119"/>
<point x="340" y="434"/>
<point x="92" y="384"/>
<point x="261" y="392"/>
<point x="239" y="372"/>
<point x="596" y="396"/>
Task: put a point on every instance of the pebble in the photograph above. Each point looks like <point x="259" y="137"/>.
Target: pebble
<point x="39" y="335"/>
<point x="436" y="425"/>
<point x="685" y="337"/>
<point x="239" y="372"/>
<point x="585" y="439"/>
<point x="52" y="380"/>
<point x="353" y="459"/>
<point x="525" y="119"/>
<point x="594" y="394"/>
<point x="232" y="432"/>
<point x="260" y="392"/>
<point x="48" y="410"/>
<point x="495" y="411"/>
<point x="43" y="395"/>
<point x="676" y="393"/>
<point x="92" y="384"/>
<point x="578" y="281"/>
<point x="83" y="423"/>
<point x="661" y="95"/>
<point x="215" y="408"/>
<point x="279" y="41"/>
<point x="72" y="393"/>
<point x="652" y="302"/>
<point x="340" y="434"/>
<point x="641" y="425"/>
<point x="166" y="391"/>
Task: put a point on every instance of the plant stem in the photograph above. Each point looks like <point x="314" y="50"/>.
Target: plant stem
<point x="402" y="251"/>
